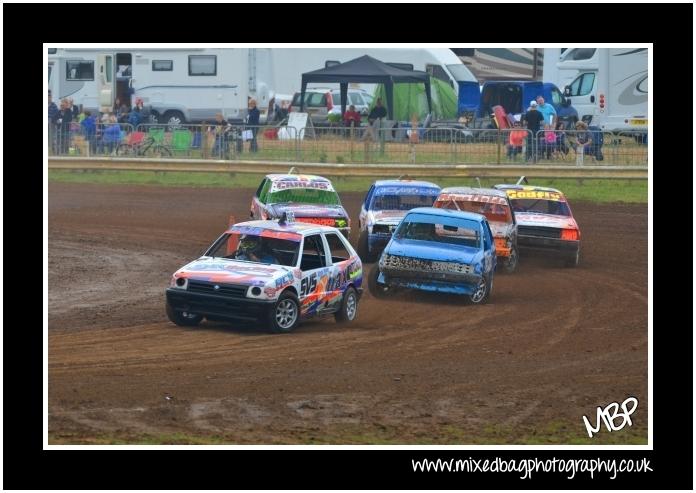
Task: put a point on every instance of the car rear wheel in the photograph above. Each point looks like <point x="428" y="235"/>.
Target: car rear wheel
<point x="573" y="260"/>
<point x="349" y="307"/>
<point x="183" y="318"/>
<point x="377" y="289"/>
<point x="482" y="291"/>
<point x="285" y="315"/>
<point x="511" y="262"/>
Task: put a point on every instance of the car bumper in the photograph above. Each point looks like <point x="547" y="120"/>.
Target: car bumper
<point x="436" y="281"/>
<point x="549" y="245"/>
<point x="219" y="306"/>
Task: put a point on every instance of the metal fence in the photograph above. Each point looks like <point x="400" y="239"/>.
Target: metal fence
<point x="338" y="144"/>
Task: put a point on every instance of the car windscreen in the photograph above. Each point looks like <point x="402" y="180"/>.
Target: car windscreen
<point x="541" y="206"/>
<point x="396" y="199"/>
<point x="304" y="196"/>
<point x="454" y="231"/>
<point x="494" y="212"/>
<point x="261" y="246"/>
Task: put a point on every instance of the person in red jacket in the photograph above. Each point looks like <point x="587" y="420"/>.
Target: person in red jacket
<point x="351" y="117"/>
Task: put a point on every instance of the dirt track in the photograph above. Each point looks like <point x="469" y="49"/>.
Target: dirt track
<point x="552" y="344"/>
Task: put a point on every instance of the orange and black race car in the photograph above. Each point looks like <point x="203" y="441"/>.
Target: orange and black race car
<point x="544" y="221"/>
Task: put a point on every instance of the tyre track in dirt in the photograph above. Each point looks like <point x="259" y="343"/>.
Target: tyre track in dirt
<point x="550" y="345"/>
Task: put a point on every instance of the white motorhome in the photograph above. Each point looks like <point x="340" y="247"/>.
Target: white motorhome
<point x="189" y="85"/>
<point x="610" y="87"/>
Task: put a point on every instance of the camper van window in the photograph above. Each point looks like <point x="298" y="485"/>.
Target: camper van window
<point x="582" y="85"/>
<point x="162" y="65"/>
<point x="79" y="70"/>
<point x="52" y="51"/>
<point x="202" y="64"/>
<point x="580" y="54"/>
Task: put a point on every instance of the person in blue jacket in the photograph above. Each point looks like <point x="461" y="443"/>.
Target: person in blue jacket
<point x="253" y="118"/>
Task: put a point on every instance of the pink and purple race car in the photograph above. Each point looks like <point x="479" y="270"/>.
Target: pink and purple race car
<point x="275" y="272"/>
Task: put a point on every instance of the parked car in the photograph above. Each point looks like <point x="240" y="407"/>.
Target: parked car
<point x="544" y="221"/>
<point x="319" y="102"/>
<point x="495" y="205"/>
<point x="438" y="250"/>
<point x="275" y="272"/>
<point x="385" y="205"/>
<point x="312" y="199"/>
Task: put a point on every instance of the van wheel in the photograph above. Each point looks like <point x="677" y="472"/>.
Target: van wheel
<point x="349" y="307"/>
<point x="285" y="315"/>
<point x="183" y="319"/>
<point x="174" y="118"/>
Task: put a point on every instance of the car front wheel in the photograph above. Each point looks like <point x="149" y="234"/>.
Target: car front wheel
<point x="511" y="262"/>
<point x="482" y="291"/>
<point x="285" y="315"/>
<point x="182" y="318"/>
<point x="377" y="289"/>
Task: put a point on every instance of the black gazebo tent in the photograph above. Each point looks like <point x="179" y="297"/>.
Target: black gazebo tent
<point x="368" y="70"/>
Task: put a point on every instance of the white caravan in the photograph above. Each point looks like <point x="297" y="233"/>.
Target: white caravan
<point x="190" y="85"/>
<point x="610" y="87"/>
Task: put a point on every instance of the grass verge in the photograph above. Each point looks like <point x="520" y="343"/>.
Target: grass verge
<point x="601" y="191"/>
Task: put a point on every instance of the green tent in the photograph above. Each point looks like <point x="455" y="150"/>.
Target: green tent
<point x="410" y="98"/>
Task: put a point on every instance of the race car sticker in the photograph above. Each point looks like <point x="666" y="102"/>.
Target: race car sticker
<point x="468" y="197"/>
<point x="266" y="233"/>
<point x="535" y="194"/>
<point x="301" y="182"/>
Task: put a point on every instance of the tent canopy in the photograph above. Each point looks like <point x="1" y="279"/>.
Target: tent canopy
<point x="368" y="70"/>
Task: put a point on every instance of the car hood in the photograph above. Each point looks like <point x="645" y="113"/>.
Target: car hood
<point x="308" y="210"/>
<point x="386" y="217"/>
<point x="500" y="229"/>
<point x="547" y="220"/>
<point x="431" y="250"/>
<point x="232" y="271"/>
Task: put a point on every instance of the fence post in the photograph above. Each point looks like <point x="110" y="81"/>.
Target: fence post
<point x="498" y="145"/>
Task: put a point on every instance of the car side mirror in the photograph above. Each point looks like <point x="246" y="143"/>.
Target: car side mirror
<point x="566" y="91"/>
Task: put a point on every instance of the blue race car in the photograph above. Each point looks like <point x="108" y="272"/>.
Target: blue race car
<point x="439" y="250"/>
<point x="385" y="205"/>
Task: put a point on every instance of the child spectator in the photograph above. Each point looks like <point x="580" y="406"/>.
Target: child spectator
<point x="516" y="141"/>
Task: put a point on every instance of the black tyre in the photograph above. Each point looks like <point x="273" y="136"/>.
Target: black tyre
<point x="377" y="289"/>
<point x="157" y="150"/>
<point x="183" y="319"/>
<point x="573" y="260"/>
<point x="363" y="248"/>
<point x="482" y="292"/>
<point x="285" y="315"/>
<point x="510" y="263"/>
<point x="349" y="307"/>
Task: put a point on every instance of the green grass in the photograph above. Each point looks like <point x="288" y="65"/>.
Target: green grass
<point x="554" y="433"/>
<point x="601" y="191"/>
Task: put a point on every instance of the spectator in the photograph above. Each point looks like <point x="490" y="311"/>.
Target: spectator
<point x="548" y="142"/>
<point x="377" y="113"/>
<point x="52" y="117"/>
<point x="568" y="114"/>
<point x="64" y="118"/>
<point x="561" y="141"/>
<point x="253" y="118"/>
<point x="282" y="112"/>
<point x="89" y="129"/>
<point x="352" y="118"/>
<point x="516" y="141"/>
<point x="583" y="138"/>
<point x="547" y="110"/>
<point x="533" y="119"/>
<point x="134" y="118"/>
<point x="221" y="128"/>
<point x="112" y="134"/>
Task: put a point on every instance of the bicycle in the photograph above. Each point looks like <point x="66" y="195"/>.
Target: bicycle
<point x="142" y="144"/>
